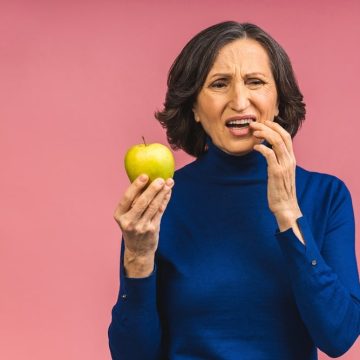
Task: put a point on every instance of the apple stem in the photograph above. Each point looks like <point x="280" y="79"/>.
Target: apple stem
<point x="144" y="141"/>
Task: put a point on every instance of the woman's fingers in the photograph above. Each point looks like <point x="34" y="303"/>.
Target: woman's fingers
<point x="281" y="166"/>
<point x="138" y="207"/>
<point x="278" y="137"/>
<point x="157" y="217"/>
<point x="132" y="192"/>
<point x="269" y="154"/>
<point x="156" y="204"/>
<point x="144" y="200"/>
<point x="286" y="137"/>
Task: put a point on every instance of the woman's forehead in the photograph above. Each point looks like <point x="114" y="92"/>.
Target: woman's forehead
<point x="242" y="54"/>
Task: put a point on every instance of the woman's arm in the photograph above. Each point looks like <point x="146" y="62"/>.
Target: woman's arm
<point x="326" y="285"/>
<point x="135" y="331"/>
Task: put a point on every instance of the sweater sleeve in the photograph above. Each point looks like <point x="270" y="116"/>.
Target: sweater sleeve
<point x="135" y="331"/>
<point x="326" y="284"/>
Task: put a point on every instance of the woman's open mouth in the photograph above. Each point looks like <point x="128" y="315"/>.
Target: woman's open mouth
<point x="239" y="127"/>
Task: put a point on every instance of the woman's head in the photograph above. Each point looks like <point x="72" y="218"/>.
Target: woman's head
<point x="197" y="104"/>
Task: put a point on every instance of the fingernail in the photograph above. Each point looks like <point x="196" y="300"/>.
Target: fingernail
<point x="160" y="181"/>
<point x="169" y="182"/>
<point x="143" y="178"/>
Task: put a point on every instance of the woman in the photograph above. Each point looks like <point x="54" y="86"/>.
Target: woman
<point x="245" y="264"/>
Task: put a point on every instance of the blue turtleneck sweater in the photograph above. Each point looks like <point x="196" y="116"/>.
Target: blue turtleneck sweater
<point x="228" y="285"/>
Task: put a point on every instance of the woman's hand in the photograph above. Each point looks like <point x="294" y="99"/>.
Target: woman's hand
<point x="138" y="215"/>
<point x="281" y="171"/>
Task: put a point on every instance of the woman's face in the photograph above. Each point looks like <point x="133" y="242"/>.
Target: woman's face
<point x="240" y="84"/>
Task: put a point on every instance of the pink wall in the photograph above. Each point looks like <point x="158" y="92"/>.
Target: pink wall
<point x="79" y="82"/>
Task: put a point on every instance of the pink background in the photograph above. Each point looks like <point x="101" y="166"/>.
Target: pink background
<point x="79" y="82"/>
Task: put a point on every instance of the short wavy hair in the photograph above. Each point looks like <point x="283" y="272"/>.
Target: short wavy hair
<point x="188" y="73"/>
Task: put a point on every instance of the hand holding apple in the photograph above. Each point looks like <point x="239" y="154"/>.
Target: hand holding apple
<point x="139" y="214"/>
<point x="140" y="210"/>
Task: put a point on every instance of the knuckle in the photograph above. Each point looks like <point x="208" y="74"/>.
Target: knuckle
<point x="168" y="195"/>
<point x="140" y="229"/>
<point x="164" y="202"/>
<point x="116" y="212"/>
<point x="122" y="204"/>
<point x="272" y="157"/>
<point x="152" y="229"/>
<point x="267" y="152"/>
<point x="142" y="203"/>
<point x="153" y="207"/>
<point x="125" y="223"/>
<point x="126" y="198"/>
<point x="278" y="142"/>
<point x="116" y="217"/>
<point x="145" y="228"/>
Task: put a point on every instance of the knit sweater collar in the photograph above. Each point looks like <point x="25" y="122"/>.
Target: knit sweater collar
<point x="217" y="163"/>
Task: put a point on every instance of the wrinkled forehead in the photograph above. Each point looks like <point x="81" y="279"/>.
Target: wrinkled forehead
<point x="242" y="56"/>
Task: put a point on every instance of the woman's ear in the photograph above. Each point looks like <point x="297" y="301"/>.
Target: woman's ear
<point x="196" y="116"/>
<point x="277" y="109"/>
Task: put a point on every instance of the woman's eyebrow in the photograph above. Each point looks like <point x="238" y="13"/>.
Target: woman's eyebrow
<point x="221" y="74"/>
<point x="256" y="74"/>
<point x="229" y="74"/>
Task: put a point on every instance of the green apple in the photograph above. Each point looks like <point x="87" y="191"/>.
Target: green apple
<point x="155" y="160"/>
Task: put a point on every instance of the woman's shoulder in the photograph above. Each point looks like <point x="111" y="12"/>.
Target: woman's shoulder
<point x="186" y="170"/>
<point x="320" y="181"/>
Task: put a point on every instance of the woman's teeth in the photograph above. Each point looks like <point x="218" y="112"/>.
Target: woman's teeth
<point x="239" y="123"/>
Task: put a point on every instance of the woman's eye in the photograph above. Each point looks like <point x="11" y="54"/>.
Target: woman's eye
<point x="255" y="82"/>
<point x="252" y="82"/>
<point x="218" y="84"/>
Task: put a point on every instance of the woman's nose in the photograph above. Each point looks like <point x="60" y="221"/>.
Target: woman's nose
<point x="239" y="97"/>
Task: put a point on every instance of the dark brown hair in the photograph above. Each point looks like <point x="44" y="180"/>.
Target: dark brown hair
<point x="190" y="69"/>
